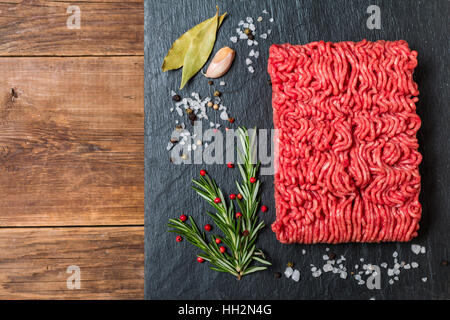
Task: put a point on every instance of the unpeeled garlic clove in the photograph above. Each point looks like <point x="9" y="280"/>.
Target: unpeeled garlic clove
<point x="221" y="63"/>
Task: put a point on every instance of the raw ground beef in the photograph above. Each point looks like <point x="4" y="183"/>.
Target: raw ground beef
<point x="346" y="153"/>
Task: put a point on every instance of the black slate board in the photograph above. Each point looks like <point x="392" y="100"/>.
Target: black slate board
<point x="171" y="270"/>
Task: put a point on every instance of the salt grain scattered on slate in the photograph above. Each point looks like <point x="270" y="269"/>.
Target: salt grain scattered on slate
<point x="222" y="83"/>
<point x="327" y="267"/>
<point x="424" y="279"/>
<point x="296" y="275"/>
<point x="415" y="248"/>
<point x="303" y="251"/>
<point x="317" y="273"/>
<point x="234" y="39"/>
<point x="248" y="61"/>
<point x="251" y="69"/>
<point x="263" y="36"/>
<point x="288" y="272"/>
<point x="414" y="265"/>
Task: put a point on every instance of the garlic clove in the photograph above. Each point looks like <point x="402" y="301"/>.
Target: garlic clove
<point x="221" y="63"/>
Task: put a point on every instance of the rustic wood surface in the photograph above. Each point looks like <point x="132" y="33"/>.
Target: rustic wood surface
<point x="71" y="141"/>
<point x="34" y="262"/>
<point x="71" y="150"/>
<point x="36" y="28"/>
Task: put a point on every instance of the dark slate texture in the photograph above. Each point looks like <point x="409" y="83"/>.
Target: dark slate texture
<point x="171" y="270"/>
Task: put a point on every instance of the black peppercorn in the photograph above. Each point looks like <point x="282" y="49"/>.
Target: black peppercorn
<point x="332" y="256"/>
<point x="251" y="36"/>
<point x="277" y="275"/>
<point x="176" y="98"/>
<point x="192" y="117"/>
<point x="210" y="82"/>
<point x="444" y="263"/>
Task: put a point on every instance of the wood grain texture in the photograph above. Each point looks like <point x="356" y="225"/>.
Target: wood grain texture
<point x="71" y="141"/>
<point x="34" y="262"/>
<point x="39" y="27"/>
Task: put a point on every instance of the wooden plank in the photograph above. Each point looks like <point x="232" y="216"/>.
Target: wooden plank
<point x="34" y="27"/>
<point x="34" y="262"/>
<point x="71" y="141"/>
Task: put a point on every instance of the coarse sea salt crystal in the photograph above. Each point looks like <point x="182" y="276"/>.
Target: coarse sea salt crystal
<point x="384" y="265"/>
<point x="325" y="257"/>
<point x="250" y="42"/>
<point x="407" y="266"/>
<point x="391" y="281"/>
<point x="241" y="23"/>
<point x="222" y="83"/>
<point x="265" y="11"/>
<point x="269" y="31"/>
<point x="251" y="69"/>
<point x="271" y="19"/>
<point x="256" y="54"/>
<point x="248" y="61"/>
<point x="396" y="278"/>
<point x="288" y="272"/>
<point x="423" y="250"/>
<point x="249" y="19"/>
<point x="224" y="115"/>
<point x="296" y="275"/>
<point x="390" y="272"/>
<point x="414" y="265"/>
<point x="327" y="267"/>
<point x="415" y="248"/>
<point x="343" y="275"/>
<point x="303" y="251"/>
<point x="234" y="39"/>
<point x="251" y="53"/>
<point x="395" y="254"/>
<point x="255" y="43"/>
<point x="252" y="27"/>
<point x="245" y="25"/>
<point x="243" y="36"/>
<point x="317" y="273"/>
<point x="263" y="36"/>
<point x="424" y="279"/>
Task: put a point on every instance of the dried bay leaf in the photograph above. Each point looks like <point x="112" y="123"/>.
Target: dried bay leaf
<point x="199" y="50"/>
<point x="175" y="57"/>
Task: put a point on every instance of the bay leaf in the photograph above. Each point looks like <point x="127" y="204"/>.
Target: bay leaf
<point x="175" y="57"/>
<point x="199" y="50"/>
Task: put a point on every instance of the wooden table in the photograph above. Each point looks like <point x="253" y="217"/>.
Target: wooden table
<point x="71" y="150"/>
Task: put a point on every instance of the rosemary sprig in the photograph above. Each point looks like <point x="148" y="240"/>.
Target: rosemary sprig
<point x="239" y="234"/>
